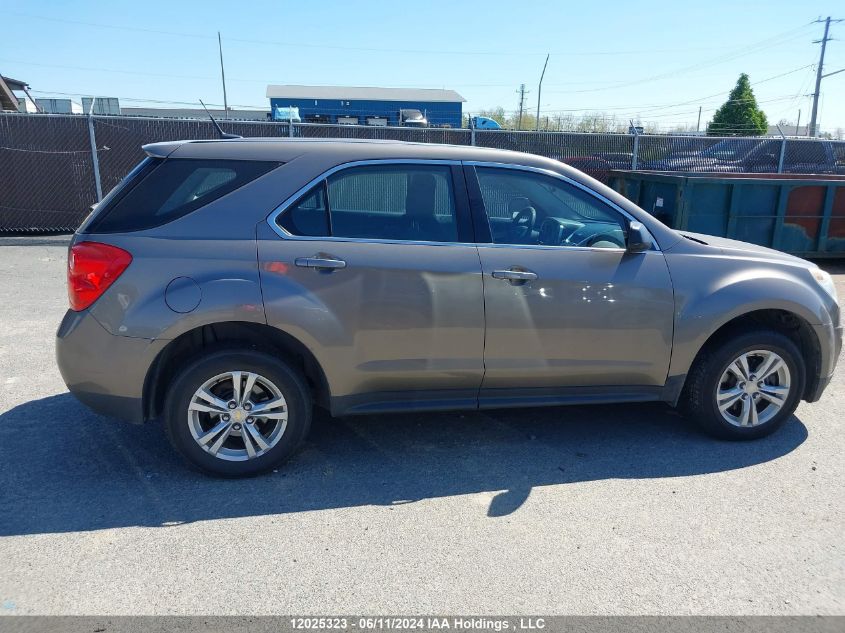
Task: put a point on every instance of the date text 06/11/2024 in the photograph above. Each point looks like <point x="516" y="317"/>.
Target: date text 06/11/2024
<point x="418" y="623"/>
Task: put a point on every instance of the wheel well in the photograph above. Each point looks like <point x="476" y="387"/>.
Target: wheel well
<point x="785" y="322"/>
<point x="251" y="335"/>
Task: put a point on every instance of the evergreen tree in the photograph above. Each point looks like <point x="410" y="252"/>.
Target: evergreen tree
<point x="739" y="115"/>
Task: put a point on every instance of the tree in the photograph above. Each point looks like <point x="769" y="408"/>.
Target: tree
<point x="739" y="115"/>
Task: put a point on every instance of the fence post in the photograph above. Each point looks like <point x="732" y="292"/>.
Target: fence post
<point x="471" y="131"/>
<point x="636" y="146"/>
<point x="290" y="125"/>
<point x="782" y="150"/>
<point x="95" y="160"/>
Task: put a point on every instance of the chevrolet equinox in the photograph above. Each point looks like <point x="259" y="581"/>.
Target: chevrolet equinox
<point x="229" y="286"/>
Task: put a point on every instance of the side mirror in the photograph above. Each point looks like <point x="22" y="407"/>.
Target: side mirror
<point x="639" y="239"/>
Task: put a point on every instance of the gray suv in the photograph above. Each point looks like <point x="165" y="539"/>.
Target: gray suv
<point x="229" y="286"/>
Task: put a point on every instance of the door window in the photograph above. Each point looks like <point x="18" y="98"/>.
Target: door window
<point x="387" y="202"/>
<point x="811" y="152"/>
<point x="529" y="208"/>
<point x="309" y="215"/>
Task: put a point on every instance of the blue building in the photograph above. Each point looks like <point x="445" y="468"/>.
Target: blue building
<point x="368" y="106"/>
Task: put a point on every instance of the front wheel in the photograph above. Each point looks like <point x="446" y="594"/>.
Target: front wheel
<point x="745" y="387"/>
<point x="237" y="412"/>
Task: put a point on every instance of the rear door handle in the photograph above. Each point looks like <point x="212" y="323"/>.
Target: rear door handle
<point x="320" y="263"/>
<point x="512" y="275"/>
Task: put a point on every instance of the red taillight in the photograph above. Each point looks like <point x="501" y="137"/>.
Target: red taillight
<point x="91" y="268"/>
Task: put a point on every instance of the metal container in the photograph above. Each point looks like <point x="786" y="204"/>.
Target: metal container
<point x="799" y="214"/>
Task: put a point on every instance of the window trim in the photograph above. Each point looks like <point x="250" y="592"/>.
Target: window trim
<point x="467" y="196"/>
<point x="461" y="212"/>
<point x="479" y="212"/>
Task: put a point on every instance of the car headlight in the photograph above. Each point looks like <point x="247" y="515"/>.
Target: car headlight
<point x="825" y="281"/>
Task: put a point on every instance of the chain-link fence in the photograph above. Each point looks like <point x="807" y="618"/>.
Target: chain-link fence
<point x="50" y="173"/>
<point x="119" y="139"/>
<point x="46" y="172"/>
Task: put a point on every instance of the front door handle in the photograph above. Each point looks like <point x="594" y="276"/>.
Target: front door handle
<point x="320" y="263"/>
<point x="515" y="276"/>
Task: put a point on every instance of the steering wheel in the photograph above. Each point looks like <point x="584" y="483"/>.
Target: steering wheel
<point x="523" y="223"/>
<point x="604" y="241"/>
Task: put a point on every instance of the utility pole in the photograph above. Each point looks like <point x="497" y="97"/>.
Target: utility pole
<point x="698" y="125"/>
<point x="522" y="92"/>
<point x="539" y="91"/>
<point x="223" y="76"/>
<point x="798" y="123"/>
<point x="813" y="131"/>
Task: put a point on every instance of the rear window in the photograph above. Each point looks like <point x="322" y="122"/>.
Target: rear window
<point x="165" y="189"/>
<point x="798" y="152"/>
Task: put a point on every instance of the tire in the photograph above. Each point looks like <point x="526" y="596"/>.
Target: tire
<point x="281" y="424"/>
<point x="705" y="388"/>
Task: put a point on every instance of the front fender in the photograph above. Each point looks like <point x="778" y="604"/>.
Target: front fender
<point x="704" y="305"/>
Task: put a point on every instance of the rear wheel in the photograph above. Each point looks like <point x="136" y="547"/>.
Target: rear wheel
<point x="237" y="412"/>
<point x="746" y="386"/>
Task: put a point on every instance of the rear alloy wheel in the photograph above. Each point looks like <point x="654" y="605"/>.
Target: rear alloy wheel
<point x="745" y="387"/>
<point x="237" y="416"/>
<point x="238" y="413"/>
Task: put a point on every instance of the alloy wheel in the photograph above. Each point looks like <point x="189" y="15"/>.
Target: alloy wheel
<point x="753" y="388"/>
<point x="237" y="415"/>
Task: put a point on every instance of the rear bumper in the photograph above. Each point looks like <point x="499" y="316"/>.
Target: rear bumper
<point x="104" y="372"/>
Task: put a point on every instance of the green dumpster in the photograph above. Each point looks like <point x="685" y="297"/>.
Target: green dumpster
<point x="799" y="214"/>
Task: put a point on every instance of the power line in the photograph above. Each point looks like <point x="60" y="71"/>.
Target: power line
<point x="105" y="70"/>
<point x="640" y="110"/>
<point x="752" y="48"/>
<point x="589" y="110"/>
<point x="653" y="109"/>
<point x="498" y="52"/>
<point x="649" y="109"/>
<point x="193" y="104"/>
<point x="762" y="44"/>
<point x="801" y="93"/>
<point x="264" y="81"/>
<point x="708" y="97"/>
<point x="98" y="69"/>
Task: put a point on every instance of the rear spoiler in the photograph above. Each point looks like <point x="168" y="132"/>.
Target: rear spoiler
<point x="162" y="150"/>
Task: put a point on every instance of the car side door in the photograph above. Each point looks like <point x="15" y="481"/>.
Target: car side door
<point x="566" y="304"/>
<point x="373" y="268"/>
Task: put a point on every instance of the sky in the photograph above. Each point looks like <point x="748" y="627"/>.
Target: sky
<point x="654" y="61"/>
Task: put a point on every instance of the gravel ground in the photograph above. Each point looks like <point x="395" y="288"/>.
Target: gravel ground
<point x="581" y="510"/>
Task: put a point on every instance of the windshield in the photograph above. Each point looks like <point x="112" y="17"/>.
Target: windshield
<point x="736" y="149"/>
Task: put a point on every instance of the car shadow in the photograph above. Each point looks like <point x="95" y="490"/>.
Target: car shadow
<point x="65" y="469"/>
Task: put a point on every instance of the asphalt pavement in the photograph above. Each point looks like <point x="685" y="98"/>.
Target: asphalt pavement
<point x="583" y="510"/>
